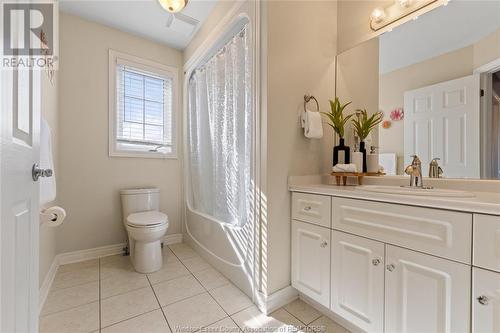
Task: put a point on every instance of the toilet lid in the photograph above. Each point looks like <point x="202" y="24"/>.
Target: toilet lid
<point x="144" y="219"/>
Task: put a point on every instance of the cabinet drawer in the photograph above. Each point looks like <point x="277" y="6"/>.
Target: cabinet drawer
<point x="312" y="208"/>
<point x="487" y="241"/>
<point x="442" y="233"/>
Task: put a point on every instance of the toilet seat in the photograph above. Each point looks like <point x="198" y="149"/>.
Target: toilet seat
<point x="147" y="219"/>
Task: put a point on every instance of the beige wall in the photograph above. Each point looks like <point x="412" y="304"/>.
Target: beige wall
<point x="357" y="81"/>
<point x="90" y="180"/>
<point x="301" y="42"/>
<point x="47" y="237"/>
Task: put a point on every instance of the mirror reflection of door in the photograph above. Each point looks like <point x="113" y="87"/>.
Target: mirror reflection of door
<point x="442" y="121"/>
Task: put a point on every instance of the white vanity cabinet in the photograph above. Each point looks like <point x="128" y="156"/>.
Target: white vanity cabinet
<point x="311" y="261"/>
<point x="425" y="293"/>
<point x="487" y="242"/>
<point x="485" y="301"/>
<point x="358" y="280"/>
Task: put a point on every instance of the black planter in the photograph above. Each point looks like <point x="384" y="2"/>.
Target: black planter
<point x="339" y="148"/>
<point x="362" y="149"/>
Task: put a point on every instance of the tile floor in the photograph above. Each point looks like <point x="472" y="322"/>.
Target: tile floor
<point x="186" y="295"/>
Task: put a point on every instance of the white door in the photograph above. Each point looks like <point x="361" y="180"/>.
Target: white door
<point x="358" y="281"/>
<point x="19" y="150"/>
<point x="311" y="261"/>
<point x="485" y="301"/>
<point x="424" y="293"/>
<point x="442" y="121"/>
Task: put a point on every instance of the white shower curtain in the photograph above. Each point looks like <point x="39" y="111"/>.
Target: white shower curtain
<point x="219" y="133"/>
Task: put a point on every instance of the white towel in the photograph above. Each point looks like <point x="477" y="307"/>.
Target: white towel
<point x="47" y="184"/>
<point x="345" y="168"/>
<point x="313" y="127"/>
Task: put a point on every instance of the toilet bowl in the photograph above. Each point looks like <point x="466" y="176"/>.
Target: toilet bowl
<point x="145" y="226"/>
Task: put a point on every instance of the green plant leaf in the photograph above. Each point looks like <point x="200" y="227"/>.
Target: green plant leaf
<point x="365" y="124"/>
<point x="336" y="117"/>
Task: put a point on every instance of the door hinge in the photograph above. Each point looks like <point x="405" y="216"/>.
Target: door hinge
<point x="481" y="92"/>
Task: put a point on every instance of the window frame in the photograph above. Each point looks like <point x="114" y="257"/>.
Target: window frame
<point x="155" y="69"/>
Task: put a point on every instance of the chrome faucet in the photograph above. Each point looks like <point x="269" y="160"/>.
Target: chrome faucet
<point x="414" y="170"/>
<point x="435" y="170"/>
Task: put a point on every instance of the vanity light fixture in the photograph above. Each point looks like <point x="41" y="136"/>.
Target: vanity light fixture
<point x="382" y="17"/>
<point x="378" y="15"/>
<point x="173" y="6"/>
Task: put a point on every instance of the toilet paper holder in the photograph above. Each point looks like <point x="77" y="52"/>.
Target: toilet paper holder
<point x="52" y="216"/>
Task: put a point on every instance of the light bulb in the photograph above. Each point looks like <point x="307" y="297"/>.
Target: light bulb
<point x="404" y="3"/>
<point x="378" y="15"/>
<point x="173" y="6"/>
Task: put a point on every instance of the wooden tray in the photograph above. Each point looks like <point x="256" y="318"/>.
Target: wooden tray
<point x="344" y="175"/>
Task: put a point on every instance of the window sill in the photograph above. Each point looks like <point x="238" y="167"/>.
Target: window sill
<point x="145" y="154"/>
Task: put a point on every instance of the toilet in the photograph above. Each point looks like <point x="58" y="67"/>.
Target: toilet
<point x="145" y="226"/>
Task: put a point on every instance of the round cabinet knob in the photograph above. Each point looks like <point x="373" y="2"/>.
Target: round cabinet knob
<point x="376" y="262"/>
<point x="324" y="244"/>
<point x="307" y="208"/>
<point x="483" y="300"/>
<point x="391" y="267"/>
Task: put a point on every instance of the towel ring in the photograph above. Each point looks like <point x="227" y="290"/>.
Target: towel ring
<point x="307" y="99"/>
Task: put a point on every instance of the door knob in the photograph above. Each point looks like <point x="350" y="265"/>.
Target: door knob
<point x="324" y="244"/>
<point x="37" y="172"/>
<point x="483" y="300"/>
<point x="376" y="262"/>
<point x="391" y="267"/>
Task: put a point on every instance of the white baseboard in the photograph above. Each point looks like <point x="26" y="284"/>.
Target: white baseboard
<point x="47" y="283"/>
<point x="270" y="303"/>
<point x="97" y="252"/>
<point x="88" y="254"/>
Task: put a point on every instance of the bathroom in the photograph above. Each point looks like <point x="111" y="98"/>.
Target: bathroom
<point x="185" y="177"/>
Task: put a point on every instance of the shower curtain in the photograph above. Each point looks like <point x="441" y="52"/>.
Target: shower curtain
<point x="219" y="138"/>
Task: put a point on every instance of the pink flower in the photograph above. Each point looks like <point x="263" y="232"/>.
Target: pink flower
<point x="397" y="114"/>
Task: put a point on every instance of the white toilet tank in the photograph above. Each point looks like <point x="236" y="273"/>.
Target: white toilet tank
<point x="139" y="200"/>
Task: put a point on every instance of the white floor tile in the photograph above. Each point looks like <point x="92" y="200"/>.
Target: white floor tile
<point x="78" y="265"/>
<point x="231" y="298"/>
<point x="211" y="279"/>
<point x="193" y="313"/>
<point x="172" y="291"/>
<point x="128" y="305"/>
<point x="151" y="322"/>
<point x="67" y="298"/>
<point x="82" y="319"/>
<point x="196" y="264"/>
<point x="325" y="324"/>
<point x="303" y="311"/>
<point x="226" y="325"/>
<point x="169" y="271"/>
<point x="71" y="278"/>
<point x="278" y="321"/>
<point x="183" y="251"/>
<point x="123" y="282"/>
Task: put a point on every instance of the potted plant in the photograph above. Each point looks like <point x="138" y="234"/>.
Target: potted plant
<point x="337" y="121"/>
<point x="363" y="125"/>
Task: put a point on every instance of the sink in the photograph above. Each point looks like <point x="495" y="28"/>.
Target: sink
<point x="421" y="192"/>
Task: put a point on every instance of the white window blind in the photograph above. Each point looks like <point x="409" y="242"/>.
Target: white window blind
<point x="144" y="108"/>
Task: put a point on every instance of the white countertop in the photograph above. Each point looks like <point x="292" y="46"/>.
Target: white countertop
<point x="483" y="202"/>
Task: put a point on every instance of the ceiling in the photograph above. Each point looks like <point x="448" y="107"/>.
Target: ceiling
<point x="145" y="18"/>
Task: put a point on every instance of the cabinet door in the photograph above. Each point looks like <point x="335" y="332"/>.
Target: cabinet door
<point x="311" y="261"/>
<point x="358" y="281"/>
<point x="425" y="293"/>
<point x="485" y="301"/>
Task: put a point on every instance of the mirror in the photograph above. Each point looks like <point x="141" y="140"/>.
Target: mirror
<point x="437" y="81"/>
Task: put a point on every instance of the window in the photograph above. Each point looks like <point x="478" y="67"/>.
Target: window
<point x="142" y="107"/>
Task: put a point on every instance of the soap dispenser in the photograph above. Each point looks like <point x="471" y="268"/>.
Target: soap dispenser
<point x="372" y="162"/>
